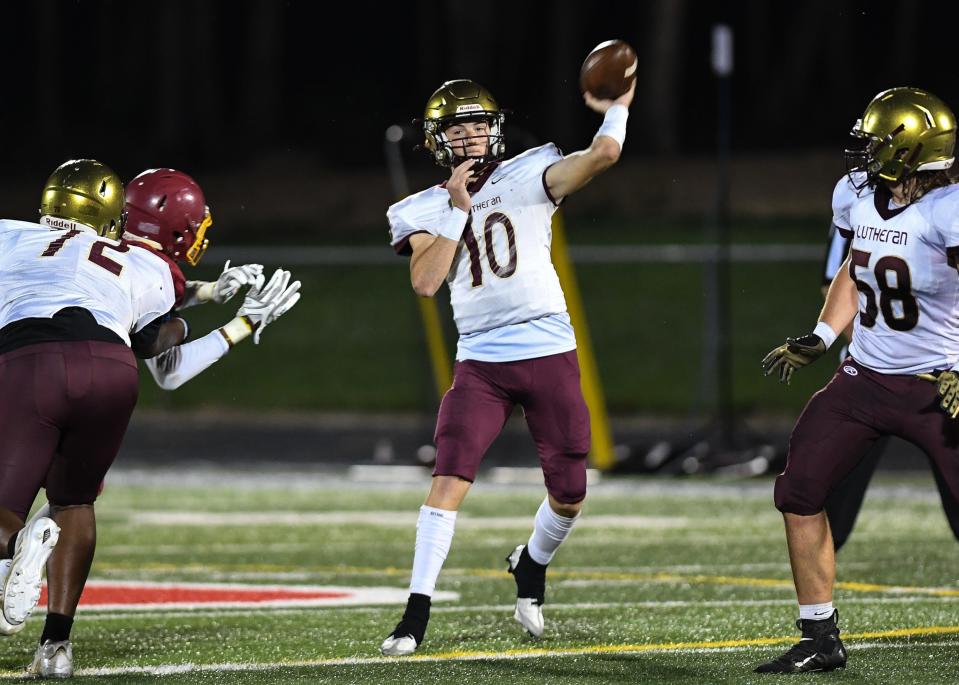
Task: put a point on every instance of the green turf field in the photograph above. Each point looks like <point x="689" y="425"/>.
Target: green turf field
<point x="664" y="582"/>
<point x="355" y="342"/>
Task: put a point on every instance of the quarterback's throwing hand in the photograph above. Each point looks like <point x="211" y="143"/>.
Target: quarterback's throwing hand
<point x="234" y="278"/>
<point x="265" y="303"/>
<point x="947" y="383"/>
<point x="796" y="353"/>
<point x="600" y="106"/>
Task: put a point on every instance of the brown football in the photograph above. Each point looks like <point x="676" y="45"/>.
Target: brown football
<point x="609" y="70"/>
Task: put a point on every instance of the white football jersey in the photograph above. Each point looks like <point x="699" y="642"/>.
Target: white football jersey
<point x="43" y="270"/>
<point x="502" y="272"/>
<point x="903" y="260"/>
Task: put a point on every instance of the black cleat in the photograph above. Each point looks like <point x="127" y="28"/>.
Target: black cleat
<point x="411" y="630"/>
<point x="530" y="590"/>
<point x="820" y="649"/>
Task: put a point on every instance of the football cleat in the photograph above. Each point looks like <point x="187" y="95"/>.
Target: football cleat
<point x="410" y="631"/>
<point x="7" y="628"/>
<point x="53" y="660"/>
<point x="530" y="580"/>
<point x="820" y="649"/>
<point x="529" y="614"/>
<point x="21" y="591"/>
<point x="398" y="646"/>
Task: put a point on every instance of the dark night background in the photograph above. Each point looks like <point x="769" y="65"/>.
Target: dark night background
<point x="279" y="108"/>
<point x="208" y="86"/>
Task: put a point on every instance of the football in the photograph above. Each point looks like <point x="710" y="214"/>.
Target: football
<point x="609" y="70"/>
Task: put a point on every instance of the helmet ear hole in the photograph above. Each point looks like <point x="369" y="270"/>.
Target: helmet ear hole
<point x="103" y="188"/>
<point x="161" y="203"/>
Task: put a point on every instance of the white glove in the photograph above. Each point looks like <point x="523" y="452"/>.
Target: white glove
<point x="264" y="304"/>
<point x="232" y="279"/>
<point x="224" y="287"/>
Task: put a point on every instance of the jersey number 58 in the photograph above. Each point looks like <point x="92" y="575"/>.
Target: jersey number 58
<point x="901" y="291"/>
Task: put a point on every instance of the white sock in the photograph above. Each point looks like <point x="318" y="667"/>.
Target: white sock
<point x="549" y="531"/>
<point x="815" y="612"/>
<point x="434" y="535"/>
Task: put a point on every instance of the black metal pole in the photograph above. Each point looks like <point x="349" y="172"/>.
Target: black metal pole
<point x="722" y="62"/>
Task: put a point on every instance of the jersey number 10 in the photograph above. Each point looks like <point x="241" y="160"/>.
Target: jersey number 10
<point x="472" y="246"/>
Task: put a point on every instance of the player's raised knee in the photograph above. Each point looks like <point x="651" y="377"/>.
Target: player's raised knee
<point x="801" y="496"/>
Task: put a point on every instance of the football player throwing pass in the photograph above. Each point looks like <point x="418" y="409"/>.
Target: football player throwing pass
<point x="486" y="233"/>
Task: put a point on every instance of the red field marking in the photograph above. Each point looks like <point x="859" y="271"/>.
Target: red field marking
<point x="114" y="594"/>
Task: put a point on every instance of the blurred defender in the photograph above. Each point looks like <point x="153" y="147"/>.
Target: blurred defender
<point x="901" y="211"/>
<point x="486" y="232"/>
<point x="166" y="208"/>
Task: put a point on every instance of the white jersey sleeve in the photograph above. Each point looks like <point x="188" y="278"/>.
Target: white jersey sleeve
<point x="423" y="212"/>
<point x="944" y="216"/>
<point x="835" y="254"/>
<point x="844" y="195"/>
<point x="153" y="289"/>
<point x="528" y="171"/>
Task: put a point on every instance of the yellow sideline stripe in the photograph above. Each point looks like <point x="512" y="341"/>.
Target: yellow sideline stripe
<point x="601" y="452"/>
<point x="741" y="581"/>
<point x="161" y="670"/>
<point x="681" y="646"/>
<point x="436" y="345"/>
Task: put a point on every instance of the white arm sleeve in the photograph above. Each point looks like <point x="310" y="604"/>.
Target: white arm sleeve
<point x="179" y="364"/>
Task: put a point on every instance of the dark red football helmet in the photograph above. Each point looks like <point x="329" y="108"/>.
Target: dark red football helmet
<point x="168" y="207"/>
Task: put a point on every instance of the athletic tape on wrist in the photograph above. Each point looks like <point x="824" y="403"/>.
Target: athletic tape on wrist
<point x="453" y="228"/>
<point x="614" y="124"/>
<point x="236" y="330"/>
<point x="824" y="331"/>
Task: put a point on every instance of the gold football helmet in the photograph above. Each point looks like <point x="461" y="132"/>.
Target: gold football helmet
<point x="86" y="192"/>
<point x="903" y="131"/>
<point x="460" y="101"/>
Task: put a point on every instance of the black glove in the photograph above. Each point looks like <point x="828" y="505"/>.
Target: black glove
<point x="947" y="383"/>
<point x="796" y="353"/>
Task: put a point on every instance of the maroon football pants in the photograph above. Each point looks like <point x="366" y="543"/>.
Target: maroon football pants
<point x="64" y="408"/>
<point x="845" y="418"/>
<point x="481" y="399"/>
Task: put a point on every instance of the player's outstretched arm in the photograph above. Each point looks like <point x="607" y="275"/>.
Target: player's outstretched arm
<point x="433" y="255"/>
<point x="577" y="169"/>
<point x="842" y="304"/>
<point x="176" y="366"/>
<point x="263" y="304"/>
<point x="158" y="336"/>
<point x="223" y="288"/>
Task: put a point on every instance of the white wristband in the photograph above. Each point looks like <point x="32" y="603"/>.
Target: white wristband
<point x="453" y="228"/>
<point x="824" y="331"/>
<point x="614" y="124"/>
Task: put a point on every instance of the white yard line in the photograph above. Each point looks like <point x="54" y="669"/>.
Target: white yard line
<point x="406" y="519"/>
